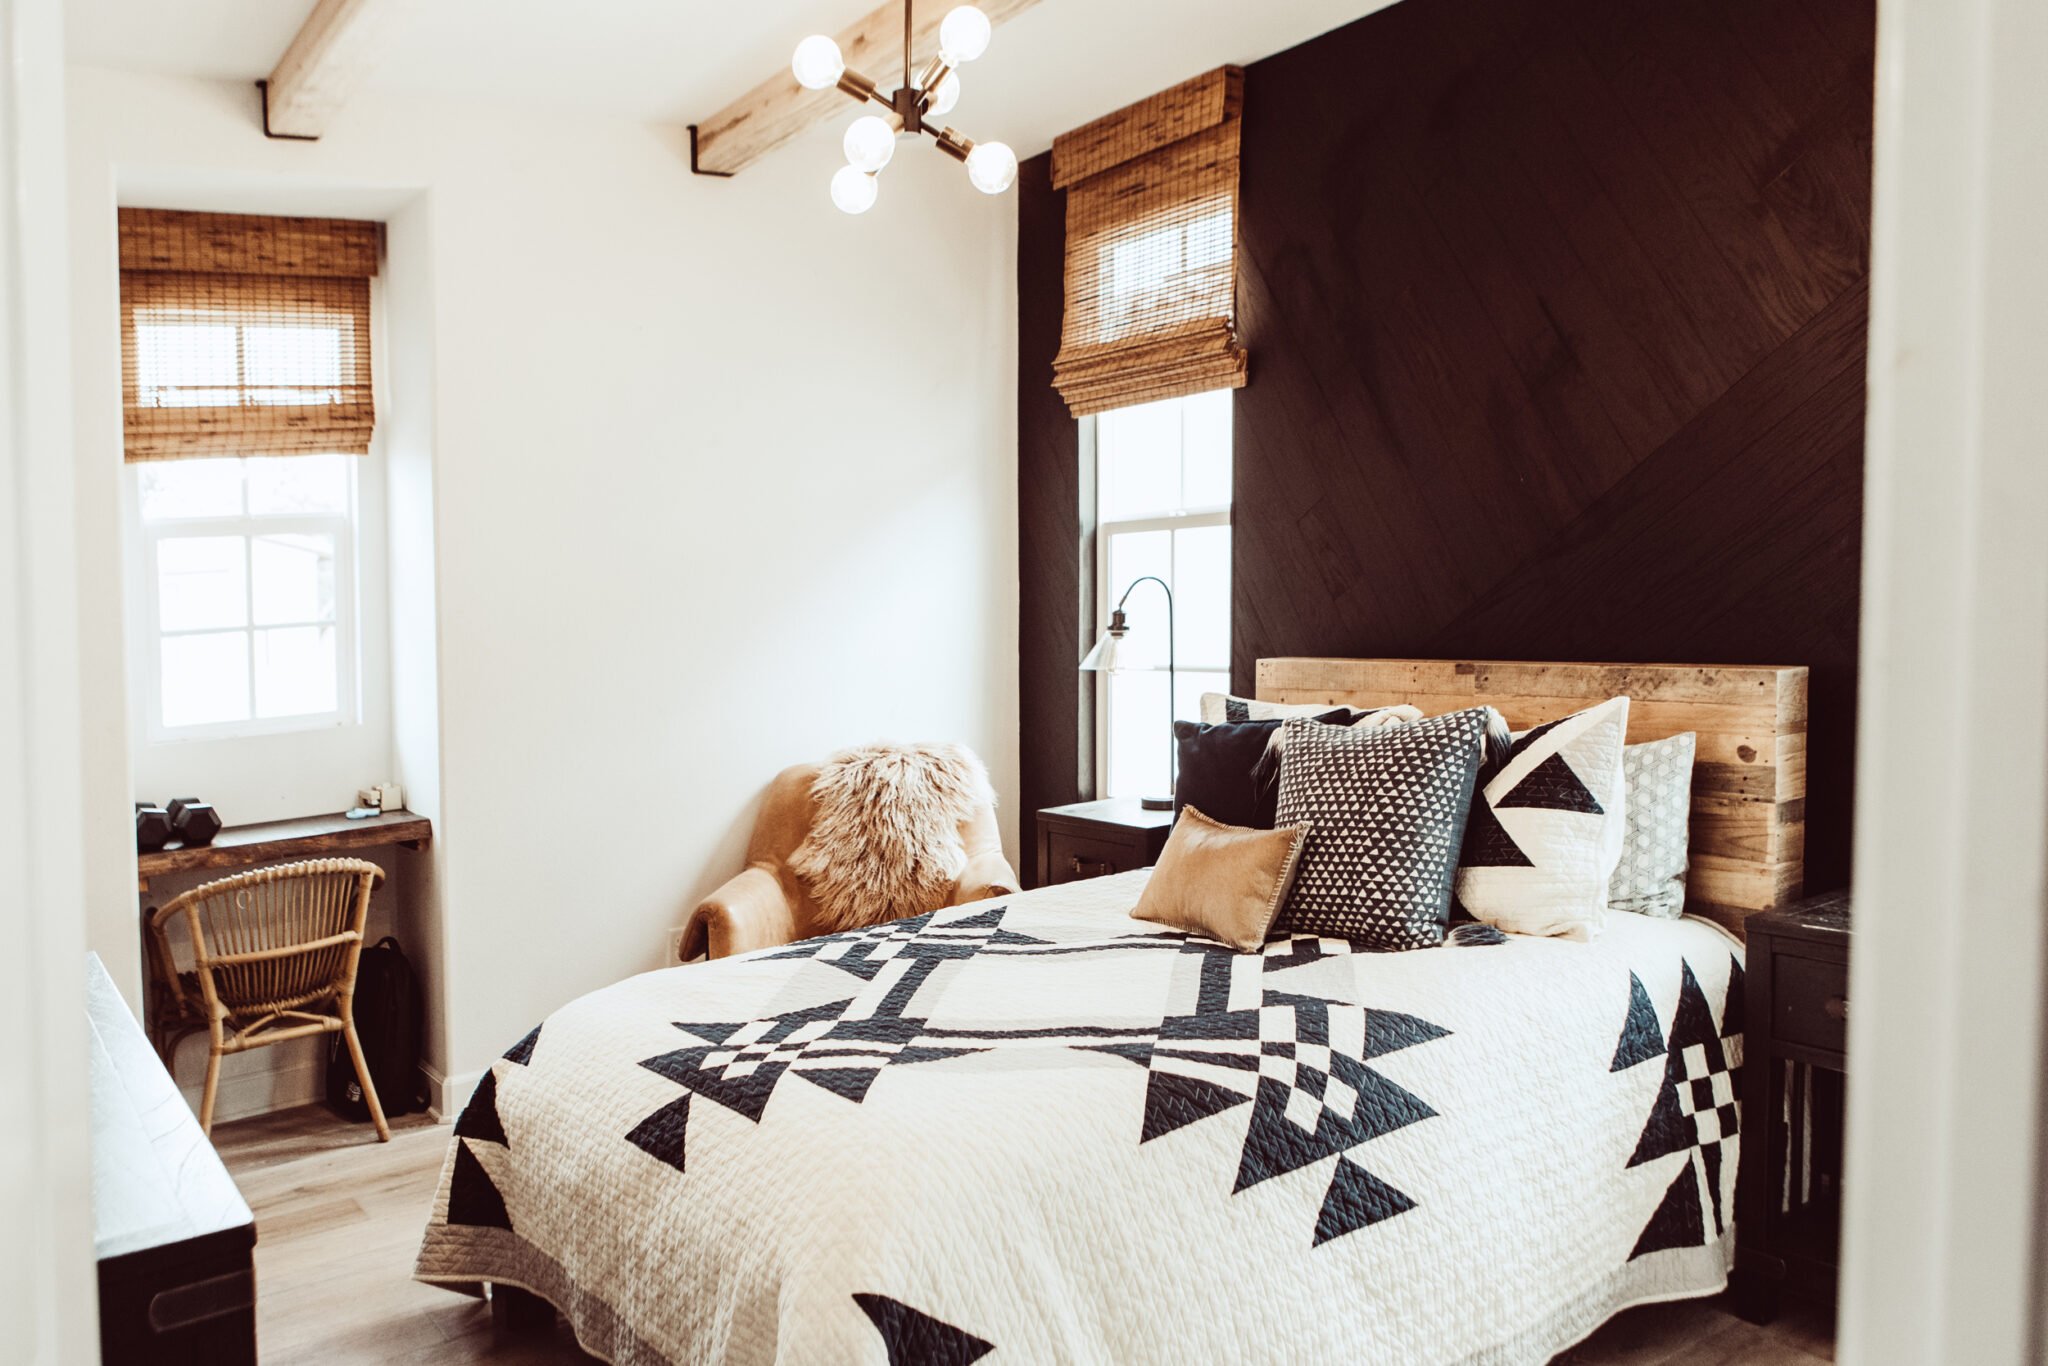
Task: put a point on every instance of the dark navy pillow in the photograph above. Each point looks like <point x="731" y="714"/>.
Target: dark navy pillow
<point x="1220" y="770"/>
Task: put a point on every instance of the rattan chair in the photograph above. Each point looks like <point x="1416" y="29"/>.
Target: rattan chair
<point x="274" y="958"/>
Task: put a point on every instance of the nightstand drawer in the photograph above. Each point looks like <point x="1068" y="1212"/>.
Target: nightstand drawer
<point x="1812" y="1000"/>
<point x="1072" y="856"/>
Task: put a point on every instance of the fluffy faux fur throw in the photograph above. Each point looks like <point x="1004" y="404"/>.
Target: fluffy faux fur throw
<point x="885" y="831"/>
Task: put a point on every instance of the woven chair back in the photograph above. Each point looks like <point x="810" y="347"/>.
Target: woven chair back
<point x="282" y="937"/>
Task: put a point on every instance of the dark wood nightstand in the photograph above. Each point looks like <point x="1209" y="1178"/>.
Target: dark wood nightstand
<point x="1095" y="839"/>
<point x="1794" y="1064"/>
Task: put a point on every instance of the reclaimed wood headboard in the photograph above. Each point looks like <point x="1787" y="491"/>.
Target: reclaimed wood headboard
<point x="1749" y="777"/>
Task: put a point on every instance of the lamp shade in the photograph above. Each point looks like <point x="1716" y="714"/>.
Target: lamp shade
<point x="1103" y="658"/>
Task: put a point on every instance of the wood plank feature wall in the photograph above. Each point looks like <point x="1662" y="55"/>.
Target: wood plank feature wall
<point x="1749" y="772"/>
<point x="1556" y="318"/>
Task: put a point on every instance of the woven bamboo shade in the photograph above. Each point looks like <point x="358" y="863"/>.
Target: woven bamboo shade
<point x="1151" y="275"/>
<point x="245" y="335"/>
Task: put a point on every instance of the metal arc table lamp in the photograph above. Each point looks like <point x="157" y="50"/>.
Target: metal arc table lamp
<point x="1103" y="659"/>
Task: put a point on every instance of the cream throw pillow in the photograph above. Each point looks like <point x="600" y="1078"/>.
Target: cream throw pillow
<point x="1546" y="830"/>
<point x="1222" y="881"/>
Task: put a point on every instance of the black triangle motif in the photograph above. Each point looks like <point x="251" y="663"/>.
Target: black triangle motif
<point x="661" y="1134"/>
<point x="1355" y="1199"/>
<point x="1678" y="1221"/>
<point x="1388" y="1031"/>
<point x="1641" y="1037"/>
<point x="1520" y="743"/>
<point x="1173" y="1101"/>
<point x="1731" y="1006"/>
<point x="915" y="1338"/>
<point x="1552" y="786"/>
<point x="480" y="1116"/>
<point x="522" y="1052"/>
<point x="1487" y="842"/>
<point x="1710" y="1155"/>
<point x="473" y="1198"/>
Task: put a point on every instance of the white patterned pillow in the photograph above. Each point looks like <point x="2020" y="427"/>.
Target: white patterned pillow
<point x="1546" y="832"/>
<point x="1219" y="708"/>
<point x="1386" y="808"/>
<point x="1650" y="879"/>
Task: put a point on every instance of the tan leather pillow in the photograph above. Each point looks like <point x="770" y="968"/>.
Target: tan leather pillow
<point x="1223" y="881"/>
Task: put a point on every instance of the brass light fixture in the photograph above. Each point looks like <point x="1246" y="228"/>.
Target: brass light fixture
<point x="871" y="139"/>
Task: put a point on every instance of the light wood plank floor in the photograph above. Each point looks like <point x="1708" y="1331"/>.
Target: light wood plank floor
<point x="338" y="1220"/>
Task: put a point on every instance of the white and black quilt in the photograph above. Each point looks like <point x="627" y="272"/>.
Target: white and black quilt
<point x="1037" y="1130"/>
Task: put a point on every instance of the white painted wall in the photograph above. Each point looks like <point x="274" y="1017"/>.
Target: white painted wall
<point x="1943" y="1228"/>
<point x="46" y="1269"/>
<point x="720" y="481"/>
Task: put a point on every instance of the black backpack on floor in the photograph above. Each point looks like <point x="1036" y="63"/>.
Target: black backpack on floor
<point x="387" y="1011"/>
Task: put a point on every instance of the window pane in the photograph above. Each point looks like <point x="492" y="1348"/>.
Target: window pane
<point x="1132" y="556"/>
<point x="189" y="488"/>
<point x="292" y="364"/>
<point x="1138" y="735"/>
<point x="1201" y="580"/>
<point x="177" y="363"/>
<point x="1138" y="451"/>
<point x="294" y="578"/>
<point x="1205" y="450"/>
<point x="201" y="583"/>
<point x="295" y="671"/>
<point x="205" y="679"/>
<point x="298" y="485"/>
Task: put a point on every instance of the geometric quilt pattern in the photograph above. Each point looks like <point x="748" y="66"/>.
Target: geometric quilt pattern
<point x="1695" y="1110"/>
<point x="1300" y="1062"/>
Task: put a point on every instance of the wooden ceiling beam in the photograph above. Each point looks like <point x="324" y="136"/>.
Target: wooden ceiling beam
<point x="334" y="49"/>
<point x="778" y="109"/>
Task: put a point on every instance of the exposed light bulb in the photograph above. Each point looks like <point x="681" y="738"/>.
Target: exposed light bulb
<point x="992" y="166"/>
<point x="870" y="142"/>
<point x="963" y="35"/>
<point x="854" y="190"/>
<point x="817" y="64"/>
<point x="946" y="96"/>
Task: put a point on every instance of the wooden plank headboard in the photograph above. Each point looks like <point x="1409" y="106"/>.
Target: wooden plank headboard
<point x="1748" y="841"/>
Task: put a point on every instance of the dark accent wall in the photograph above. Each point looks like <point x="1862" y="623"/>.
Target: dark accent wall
<point x="1556" y="317"/>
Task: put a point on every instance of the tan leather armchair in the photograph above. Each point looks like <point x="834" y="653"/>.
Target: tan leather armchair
<point x="769" y="905"/>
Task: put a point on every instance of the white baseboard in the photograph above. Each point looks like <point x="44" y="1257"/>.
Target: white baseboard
<point x="447" y="1095"/>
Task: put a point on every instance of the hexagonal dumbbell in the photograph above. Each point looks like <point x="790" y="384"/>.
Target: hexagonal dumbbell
<point x="193" y="821"/>
<point x="152" y="827"/>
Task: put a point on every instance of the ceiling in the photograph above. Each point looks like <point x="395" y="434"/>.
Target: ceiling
<point x="1057" y="65"/>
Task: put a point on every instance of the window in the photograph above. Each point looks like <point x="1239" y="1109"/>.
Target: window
<point x="1162" y="508"/>
<point x="247" y="603"/>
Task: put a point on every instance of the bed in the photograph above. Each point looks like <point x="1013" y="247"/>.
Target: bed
<point x="1035" y="1129"/>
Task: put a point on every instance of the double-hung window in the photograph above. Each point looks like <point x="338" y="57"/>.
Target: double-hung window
<point x="247" y="413"/>
<point x="247" y="594"/>
<point x="1162" y="510"/>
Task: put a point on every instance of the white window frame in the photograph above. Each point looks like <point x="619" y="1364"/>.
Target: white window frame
<point x="1107" y="593"/>
<point x="1105" y="600"/>
<point x="342" y="527"/>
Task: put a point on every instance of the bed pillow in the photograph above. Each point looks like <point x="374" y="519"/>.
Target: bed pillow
<point x="1222" y="881"/>
<point x="1386" y="808"/>
<point x="1650" y="879"/>
<point x="1546" y="831"/>
<point x="1219" y="707"/>
<point x="1224" y="768"/>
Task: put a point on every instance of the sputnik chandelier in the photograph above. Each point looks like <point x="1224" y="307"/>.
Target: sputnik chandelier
<point x="871" y="138"/>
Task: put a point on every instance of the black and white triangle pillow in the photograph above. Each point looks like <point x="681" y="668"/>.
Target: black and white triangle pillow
<point x="1546" y="829"/>
<point x="1386" y="808"/>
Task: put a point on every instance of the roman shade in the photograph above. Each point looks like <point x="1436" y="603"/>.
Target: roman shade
<point x="245" y="335"/>
<point x="1151" y="276"/>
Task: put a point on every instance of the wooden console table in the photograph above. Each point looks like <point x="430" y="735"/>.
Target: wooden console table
<point x="247" y="846"/>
